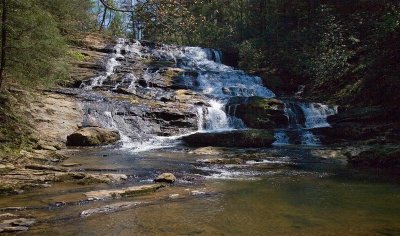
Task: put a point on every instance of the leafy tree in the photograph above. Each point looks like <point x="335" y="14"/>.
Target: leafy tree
<point x="34" y="38"/>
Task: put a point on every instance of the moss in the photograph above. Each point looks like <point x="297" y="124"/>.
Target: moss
<point x="15" y="131"/>
<point x="261" y="113"/>
<point x="78" y="56"/>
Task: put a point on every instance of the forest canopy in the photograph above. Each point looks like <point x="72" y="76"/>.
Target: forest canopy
<point x="328" y="44"/>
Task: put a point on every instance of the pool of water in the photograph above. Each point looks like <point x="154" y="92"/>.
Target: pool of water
<point x="293" y="193"/>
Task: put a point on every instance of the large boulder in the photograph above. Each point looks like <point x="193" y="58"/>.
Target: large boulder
<point x="238" y="138"/>
<point x="261" y="113"/>
<point x="93" y="136"/>
<point x="166" y="177"/>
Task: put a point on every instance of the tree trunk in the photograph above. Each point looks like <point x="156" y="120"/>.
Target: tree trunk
<point x="103" y="19"/>
<point x="3" y="41"/>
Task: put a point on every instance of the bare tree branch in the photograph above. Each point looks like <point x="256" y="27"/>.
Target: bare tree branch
<point x="107" y="5"/>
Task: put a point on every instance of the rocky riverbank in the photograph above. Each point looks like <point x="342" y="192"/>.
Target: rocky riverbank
<point x="128" y="94"/>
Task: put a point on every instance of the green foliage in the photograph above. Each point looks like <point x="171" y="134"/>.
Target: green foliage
<point x="115" y="27"/>
<point x="71" y="16"/>
<point x="251" y="56"/>
<point x="77" y="56"/>
<point x="37" y="33"/>
<point x="15" y="132"/>
<point x="328" y="58"/>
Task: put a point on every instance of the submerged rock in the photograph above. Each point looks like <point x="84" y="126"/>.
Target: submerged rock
<point x="109" y="208"/>
<point x="93" y="136"/>
<point x="237" y="138"/>
<point x="124" y="192"/>
<point x="222" y="161"/>
<point x="166" y="177"/>
<point x="208" y="151"/>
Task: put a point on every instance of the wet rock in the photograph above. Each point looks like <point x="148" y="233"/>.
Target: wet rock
<point x="208" y="151"/>
<point x="109" y="208"/>
<point x="237" y="138"/>
<point x="222" y="161"/>
<point x="93" y="136"/>
<point x="71" y="164"/>
<point x="174" y="196"/>
<point x="15" y="225"/>
<point x="124" y="192"/>
<point x="103" y="178"/>
<point x="197" y="193"/>
<point x="260" y="113"/>
<point x="44" y="167"/>
<point x="378" y="156"/>
<point x="84" y="178"/>
<point x="166" y="177"/>
<point x="361" y="124"/>
<point x="123" y="91"/>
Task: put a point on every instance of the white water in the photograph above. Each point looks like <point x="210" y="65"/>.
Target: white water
<point x="316" y="114"/>
<point x="281" y="138"/>
<point x="216" y="81"/>
<point x="220" y="82"/>
<point x="216" y="118"/>
<point x="111" y="63"/>
<point x="303" y="117"/>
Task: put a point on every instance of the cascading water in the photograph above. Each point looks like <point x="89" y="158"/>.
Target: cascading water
<point x="220" y="82"/>
<point x="303" y="117"/>
<point x="216" y="118"/>
<point x="111" y="63"/>
<point x="202" y="72"/>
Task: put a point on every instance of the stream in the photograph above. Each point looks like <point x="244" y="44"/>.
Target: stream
<point x="293" y="193"/>
<point x="296" y="187"/>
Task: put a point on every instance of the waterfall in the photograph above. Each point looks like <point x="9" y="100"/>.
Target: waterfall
<point x="316" y="114"/>
<point x="303" y="117"/>
<point x="216" y="118"/>
<point x="220" y="82"/>
<point x="217" y="85"/>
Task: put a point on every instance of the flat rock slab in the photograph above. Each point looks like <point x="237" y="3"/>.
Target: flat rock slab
<point x="109" y="208"/>
<point x="251" y="138"/>
<point x="124" y="192"/>
<point x="71" y="164"/>
<point x="44" y="167"/>
<point x="15" y="225"/>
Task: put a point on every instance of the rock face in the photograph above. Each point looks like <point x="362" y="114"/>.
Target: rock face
<point x="92" y="136"/>
<point x="237" y="138"/>
<point x="261" y="113"/>
<point x="166" y="177"/>
<point x="378" y="156"/>
<point x="362" y="124"/>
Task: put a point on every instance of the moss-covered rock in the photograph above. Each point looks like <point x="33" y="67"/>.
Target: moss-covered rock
<point x="165" y="177"/>
<point x="378" y="156"/>
<point x="238" y="138"/>
<point x="92" y="136"/>
<point x="262" y="113"/>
